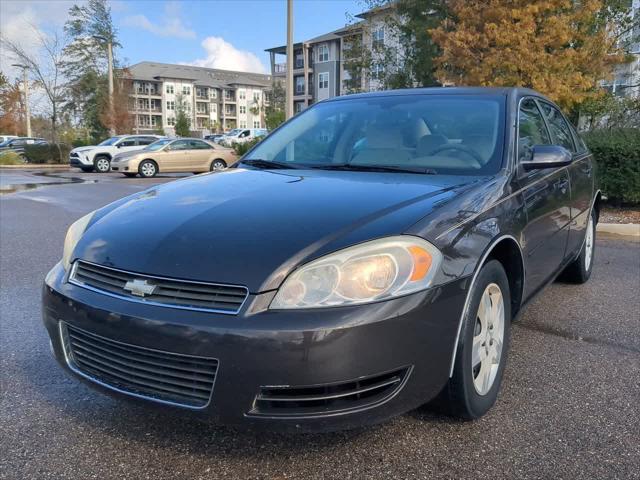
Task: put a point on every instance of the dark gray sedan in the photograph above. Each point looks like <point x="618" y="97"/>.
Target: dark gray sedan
<point x="365" y="258"/>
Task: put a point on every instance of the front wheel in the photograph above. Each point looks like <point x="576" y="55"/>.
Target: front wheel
<point x="147" y="169"/>
<point x="483" y="344"/>
<point x="102" y="164"/>
<point x="579" y="271"/>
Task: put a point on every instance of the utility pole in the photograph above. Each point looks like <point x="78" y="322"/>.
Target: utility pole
<point x="109" y="43"/>
<point x="289" y="87"/>
<point x="25" y="83"/>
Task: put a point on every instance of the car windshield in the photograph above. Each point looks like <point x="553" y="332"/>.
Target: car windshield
<point x="233" y="132"/>
<point x="448" y="134"/>
<point x="109" y="141"/>
<point x="155" y="146"/>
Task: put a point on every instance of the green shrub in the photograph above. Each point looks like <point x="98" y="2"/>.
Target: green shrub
<point x="242" y="148"/>
<point x="10" y="158"/>
<point x="47" y="153"/>
<point x="617" y="154"/>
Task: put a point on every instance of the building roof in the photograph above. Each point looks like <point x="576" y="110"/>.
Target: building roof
<point x="211" y="77"/>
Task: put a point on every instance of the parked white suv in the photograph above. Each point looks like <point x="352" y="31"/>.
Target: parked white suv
<point x="242" y="135"/>
<point x="99" y="157"/>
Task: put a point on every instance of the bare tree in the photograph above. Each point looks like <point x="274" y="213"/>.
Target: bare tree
<point x="45" y="69"/>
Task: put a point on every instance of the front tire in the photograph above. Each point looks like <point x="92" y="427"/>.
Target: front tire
<point x="579" y="271"/>
<point x="483" y="345"/>
<point x="102" y="164"/>
<point x="148" y="169"/>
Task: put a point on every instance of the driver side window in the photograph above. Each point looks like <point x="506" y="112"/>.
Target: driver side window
<point x="531" y="129"/>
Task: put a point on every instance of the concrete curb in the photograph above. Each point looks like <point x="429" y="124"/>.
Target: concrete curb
<point x="34" y="166"/>
<point x="631" y="230"/>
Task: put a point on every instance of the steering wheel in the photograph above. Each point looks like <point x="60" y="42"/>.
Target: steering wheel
<point x="461" y="148"/>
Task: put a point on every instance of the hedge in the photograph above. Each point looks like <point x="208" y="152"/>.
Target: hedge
<point x="617" y="154"/>
<point x="47" y="153"/>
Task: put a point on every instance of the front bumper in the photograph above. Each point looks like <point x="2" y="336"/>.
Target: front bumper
<point x="79" y="161"/>
<point x="259" y="347"/>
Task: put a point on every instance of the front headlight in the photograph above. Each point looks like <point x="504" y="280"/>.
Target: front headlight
<point x="372" y="271"/>
<point x="74" y="233"/>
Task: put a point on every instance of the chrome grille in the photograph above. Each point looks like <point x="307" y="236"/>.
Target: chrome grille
<point x="165" y="292"/>
<point x="300" y="401"/>
<point x="162" y="376"/>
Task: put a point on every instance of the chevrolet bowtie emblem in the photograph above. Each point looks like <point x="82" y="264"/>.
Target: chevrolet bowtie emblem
<point x="140" y="288"/>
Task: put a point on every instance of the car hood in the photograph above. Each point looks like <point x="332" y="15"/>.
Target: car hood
<point x="83" y="149"/>
<point x="124" y="156"/>
<point x="252" y="227"/>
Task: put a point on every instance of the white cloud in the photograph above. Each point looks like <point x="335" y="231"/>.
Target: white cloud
<point x="221" y="54"/>
<point x="171" y="26"/>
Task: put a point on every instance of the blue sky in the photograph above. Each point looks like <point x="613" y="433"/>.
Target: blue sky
<point x="216" y="33"/>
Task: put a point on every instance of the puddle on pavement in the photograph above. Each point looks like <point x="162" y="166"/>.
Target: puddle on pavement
<point x="20" y="187"/>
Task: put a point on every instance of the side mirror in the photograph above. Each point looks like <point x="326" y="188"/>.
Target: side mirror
<point x="547" y="156"/>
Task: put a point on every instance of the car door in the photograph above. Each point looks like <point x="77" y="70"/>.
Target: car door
<point x="547" y="199"/>
<point x="580" y="174"/>
<point x="174" y="157"/>
<point x="200" y="156"/>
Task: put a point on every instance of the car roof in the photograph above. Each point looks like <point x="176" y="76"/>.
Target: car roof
<point x="475" y="91"/>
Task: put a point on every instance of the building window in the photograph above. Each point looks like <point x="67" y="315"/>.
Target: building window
<point x="299" y="85"/>
<point x="377" y="37"/>
<point x="323" y="80"/>
<point x="186" y="90"/>
<point x="214" y="93"/>
<point x="256" y="96"/>
<point x="169" y="88"/>
<point x="214" y="108"/>
<point x="323" y="53"/>
<point x="242" y="94"/>
<point x="243" y="124"/>
<point x="242" y="109"/>
<point x="201" y="92"/>
<point x="171" y="121"/>
<point x="171" y="105"/>
<point x="256" y="124"/>
<point x="298" y="107"/>
<point x="377" y="71"/>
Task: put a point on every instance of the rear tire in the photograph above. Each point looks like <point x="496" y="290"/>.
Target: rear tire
<point x="483" y="345"/>
<point x="579" y="271"/>
<point x="102" y="164"/>
<point x="217" y="165"/>
<point x="148" y="169"/>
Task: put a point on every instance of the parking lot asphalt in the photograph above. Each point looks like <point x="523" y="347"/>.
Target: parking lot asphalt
<point x="569" y="406"/>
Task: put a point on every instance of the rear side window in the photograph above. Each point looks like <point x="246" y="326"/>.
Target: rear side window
<point x="146" y="140"/>
<point x="531" y="129"/>
<point x="560" y="131"/>
<point x="198" y="145"/>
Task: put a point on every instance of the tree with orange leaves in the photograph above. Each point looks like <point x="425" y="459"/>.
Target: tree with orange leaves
<point x="561" y="48"/>
<point x="11" y="107"/>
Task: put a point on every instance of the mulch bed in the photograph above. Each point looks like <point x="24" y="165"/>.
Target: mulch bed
<point x="610" y="214"/>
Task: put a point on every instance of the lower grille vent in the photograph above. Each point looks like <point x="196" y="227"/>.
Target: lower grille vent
<point x="329" y="398"/>
<point x="166" y="377"/>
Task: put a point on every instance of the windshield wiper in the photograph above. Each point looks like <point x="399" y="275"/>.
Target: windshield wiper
<point x="266" y="164"/>
<point x="377" y="168"/>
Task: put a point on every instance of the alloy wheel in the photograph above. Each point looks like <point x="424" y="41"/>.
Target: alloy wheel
<point x="588" y="245"/>
<point x="217" y="166"/>
<point x="102" y="164"/>
<point x="488" y="338"/>
<point x="148" y="169"/>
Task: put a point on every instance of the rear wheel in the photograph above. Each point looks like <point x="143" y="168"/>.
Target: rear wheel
<point x="148" y="169"/>
<point x="217" y="165"/>
<point x="579" y="271"/>
<point x="102" y="164"/>
<point x="482" y="347"/>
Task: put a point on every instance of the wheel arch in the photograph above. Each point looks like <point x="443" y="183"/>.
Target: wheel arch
<point x="221" y="159"/>
<point x="102" y="154"/>
<point x="506" y="250"/>
<point x="597" y="200"/>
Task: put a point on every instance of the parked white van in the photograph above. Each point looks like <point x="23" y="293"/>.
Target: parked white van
<point x="242" y="135"/>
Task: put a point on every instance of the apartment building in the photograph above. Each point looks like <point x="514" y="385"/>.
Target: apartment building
<point x="626" y="79"/>
<point x="318" y="64"/>
<point x="215" y="100"/>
